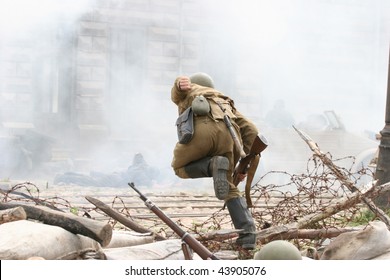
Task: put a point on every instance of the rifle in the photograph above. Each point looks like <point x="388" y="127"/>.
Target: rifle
<point x="188" y="240"/>
<point x="229" y="125"/>
<point x="249" y="164"/>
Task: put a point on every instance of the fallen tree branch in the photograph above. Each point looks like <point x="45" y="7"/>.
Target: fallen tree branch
<point x="308" y="234"/>
<point x="343" y="178"/>
<point x="272" y="233"/>
<point x="120" y="218"/>
<point x="371" y="191"/>
<point x="97" y="230"/>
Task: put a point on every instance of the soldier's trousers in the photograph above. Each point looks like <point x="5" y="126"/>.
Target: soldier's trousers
<point x="211" y="138"/>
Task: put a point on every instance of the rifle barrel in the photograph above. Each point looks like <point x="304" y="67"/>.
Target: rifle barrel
<point x="194" y="244"/>
<point x="137" y="191"/>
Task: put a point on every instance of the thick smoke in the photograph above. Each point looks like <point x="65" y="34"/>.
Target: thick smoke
<point x="315" y="55"/>
<point x="312" y="56"/>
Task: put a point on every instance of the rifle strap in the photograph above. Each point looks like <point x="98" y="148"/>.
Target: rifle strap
<point x="251" y="174"/>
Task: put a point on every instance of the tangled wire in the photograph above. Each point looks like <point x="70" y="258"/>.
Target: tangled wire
<point x="301" y="195"/>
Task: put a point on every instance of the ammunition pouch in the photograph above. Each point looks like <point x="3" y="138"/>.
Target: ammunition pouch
<point x="185" y="126"/>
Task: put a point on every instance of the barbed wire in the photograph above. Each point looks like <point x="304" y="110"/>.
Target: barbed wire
<point x="299" y="196"/>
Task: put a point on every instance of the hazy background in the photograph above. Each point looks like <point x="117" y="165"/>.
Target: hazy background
<point x="315" y="55"/>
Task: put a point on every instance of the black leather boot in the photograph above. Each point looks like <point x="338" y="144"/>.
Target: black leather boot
<point x="242" y="219"/>
<point x="215" y="167"/>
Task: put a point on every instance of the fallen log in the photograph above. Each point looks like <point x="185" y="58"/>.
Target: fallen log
<point x="293" y="233"/>
<point x="309" y="234"/>
<point x="97" y="230"/>
<point x="12" y="214"/>
<point x="120" y="218"/>
<point x="370" y="191"/>
<point x="277" y="232"/>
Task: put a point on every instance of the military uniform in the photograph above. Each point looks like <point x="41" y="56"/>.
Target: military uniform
<point x="211" y="136"/>
<point x="211" y="151"/>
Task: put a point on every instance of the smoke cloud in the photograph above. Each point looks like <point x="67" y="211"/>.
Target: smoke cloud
<point x="315" y="56"/>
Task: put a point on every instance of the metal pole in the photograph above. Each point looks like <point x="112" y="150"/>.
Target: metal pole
<point x="382" y="173"/>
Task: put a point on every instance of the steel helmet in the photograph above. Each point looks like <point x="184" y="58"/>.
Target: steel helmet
<point x="278" y="250"/>
<point x="202" y="79"/>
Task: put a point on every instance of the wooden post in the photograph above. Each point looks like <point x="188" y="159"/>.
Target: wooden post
<point x="382" y="173"/>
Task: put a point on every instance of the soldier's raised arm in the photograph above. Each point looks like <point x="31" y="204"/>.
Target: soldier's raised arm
<point x="180" y="88"/>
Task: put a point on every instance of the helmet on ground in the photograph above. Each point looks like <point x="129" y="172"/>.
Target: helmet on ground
<point x="278" y="250"/>
<point x="202" y="79"/>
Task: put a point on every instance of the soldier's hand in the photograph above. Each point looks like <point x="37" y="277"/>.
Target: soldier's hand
<point x="241" y="176"/>
<point x="184" y="83"/>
